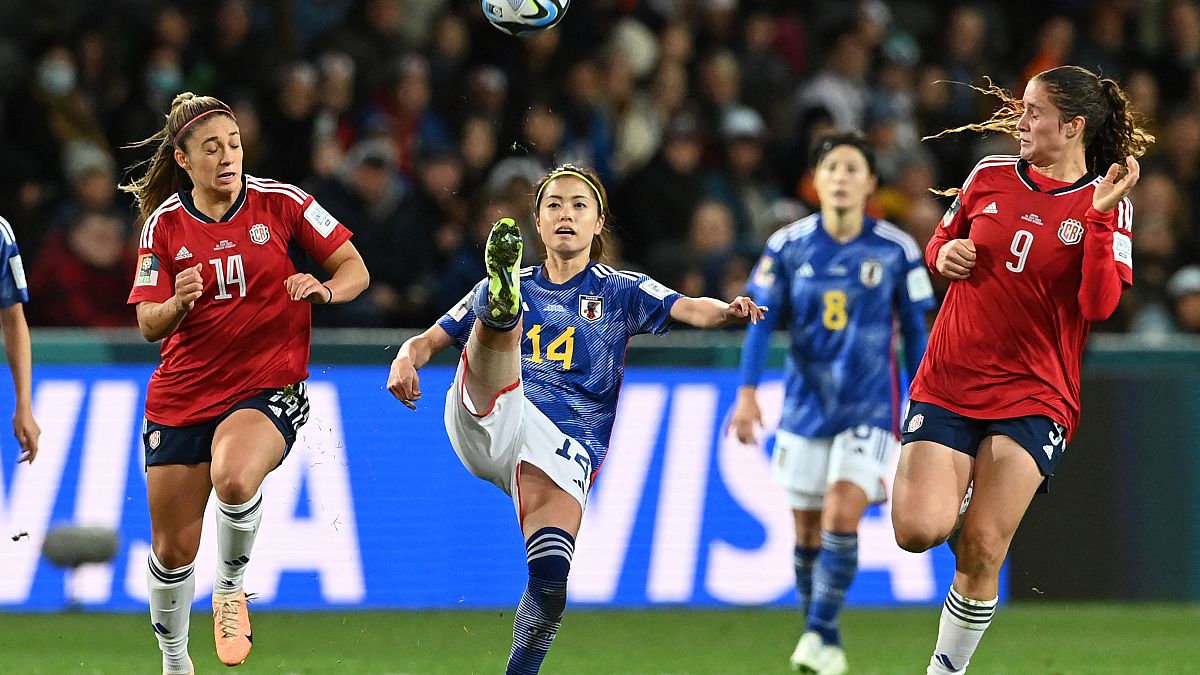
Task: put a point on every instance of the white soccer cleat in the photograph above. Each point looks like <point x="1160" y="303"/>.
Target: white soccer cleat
<point x="832" y="661"/>
<point x="807" y="655"/>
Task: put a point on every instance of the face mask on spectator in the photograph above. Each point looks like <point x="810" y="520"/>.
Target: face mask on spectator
<point x="56" y="77"/>
<point x="164" y="79"/>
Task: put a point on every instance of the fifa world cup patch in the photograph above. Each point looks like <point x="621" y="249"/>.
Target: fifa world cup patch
<point x="591" y="307"/>
<point x="320" y="219"/>
<point x="655" y="289"/>
<point x="147" y="270"/>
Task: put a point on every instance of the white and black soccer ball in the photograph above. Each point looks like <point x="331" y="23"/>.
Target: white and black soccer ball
<point x="524" y="17"/>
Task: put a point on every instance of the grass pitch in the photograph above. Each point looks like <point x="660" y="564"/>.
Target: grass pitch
<point x="1024" y="639"/>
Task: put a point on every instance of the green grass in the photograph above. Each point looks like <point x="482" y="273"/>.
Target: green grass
<point x="1025" y="639"/>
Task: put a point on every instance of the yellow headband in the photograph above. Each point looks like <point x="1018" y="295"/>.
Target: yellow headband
<point x="570" y="172"/>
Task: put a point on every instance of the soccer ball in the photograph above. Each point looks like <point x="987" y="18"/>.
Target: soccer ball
<point x="524" y="17"/>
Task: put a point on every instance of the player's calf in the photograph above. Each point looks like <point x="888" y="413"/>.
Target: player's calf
<point x="539" y="615"/>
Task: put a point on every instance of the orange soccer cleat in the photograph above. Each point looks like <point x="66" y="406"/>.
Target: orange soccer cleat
<point x="231" y="627"/>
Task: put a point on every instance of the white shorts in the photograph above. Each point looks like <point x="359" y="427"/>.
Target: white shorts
<point x="806" y="467"/>
<point x="493" y="442"/>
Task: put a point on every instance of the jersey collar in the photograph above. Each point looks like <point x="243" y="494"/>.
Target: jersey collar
<point x="189" y="205"/>
<point x="1023" y="170"/>
<point x="540" y="278"/>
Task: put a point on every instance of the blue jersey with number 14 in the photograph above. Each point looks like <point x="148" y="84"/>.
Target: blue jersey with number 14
<point x="840" y="303"/>
<point x="573" y="347"/>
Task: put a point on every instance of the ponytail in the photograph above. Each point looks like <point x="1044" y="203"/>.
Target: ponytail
<point x="163" y="176"/>
<point x="1118" y="135"/>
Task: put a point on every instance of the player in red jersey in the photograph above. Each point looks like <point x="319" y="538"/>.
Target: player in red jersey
<point x="1037" y="246"/>
<point x="215" y="283"/>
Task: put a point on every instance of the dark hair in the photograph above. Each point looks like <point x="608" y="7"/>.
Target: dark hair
<point x="1111" y="129"/>
<point x="826" y="143"/>
<point x="600" y="241"/>
<point x="164" y="176"/>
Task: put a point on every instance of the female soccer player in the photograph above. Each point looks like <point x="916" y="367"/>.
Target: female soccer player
<point x="1037" y="246"/>
<point x="531" y="408"/>
<point x="214" y="282"/>
<point x="841" y="280"/>
<point x="13" y="294"/>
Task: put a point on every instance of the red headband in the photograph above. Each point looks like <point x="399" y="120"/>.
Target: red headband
<point x="178" y="134"/>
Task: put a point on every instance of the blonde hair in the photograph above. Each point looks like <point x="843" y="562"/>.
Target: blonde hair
<point x="1111" y="126"/>
<point x="163" y="176"/>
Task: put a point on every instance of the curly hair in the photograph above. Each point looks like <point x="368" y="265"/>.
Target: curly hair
<point x="1111" y="131"/>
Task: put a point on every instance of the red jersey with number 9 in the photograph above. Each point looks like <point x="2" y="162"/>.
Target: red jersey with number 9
<point x="1009" y="339"/>
<point x="244" y="333"/>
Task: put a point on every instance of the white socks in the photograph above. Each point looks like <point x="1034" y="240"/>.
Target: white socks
<point x="171" y="595"/>
<point x="237" y="525"/>
<point x="959" y="631"/>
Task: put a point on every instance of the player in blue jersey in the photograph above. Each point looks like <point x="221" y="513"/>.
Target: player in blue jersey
<point x="839" y="281"/>
<point x="532" y="405"/>
<point x="14" y="292"/>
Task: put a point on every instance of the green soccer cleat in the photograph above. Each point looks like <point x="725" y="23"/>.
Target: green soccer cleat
<point x="502" y="256"/>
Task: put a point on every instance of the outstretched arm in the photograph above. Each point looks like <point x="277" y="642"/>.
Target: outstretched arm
<point x="713" y="313"/>
<point x="403" y="381"/>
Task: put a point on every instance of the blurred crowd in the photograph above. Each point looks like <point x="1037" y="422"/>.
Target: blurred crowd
<point x="417" y="125"/>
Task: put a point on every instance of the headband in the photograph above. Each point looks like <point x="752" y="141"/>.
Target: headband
<point x="179" y="134"/>
<point x="570" y="172"/>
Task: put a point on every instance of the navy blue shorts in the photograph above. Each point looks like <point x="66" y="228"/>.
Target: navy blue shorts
<point x="286" y="407"/>
<point x="1043" y="438"/>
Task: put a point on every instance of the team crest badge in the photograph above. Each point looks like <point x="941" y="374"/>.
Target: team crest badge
<point x="260" y="233"/>
<point x="591" y="307"/>
<point x="915" y="422"/>
<point x="870" y="273"/>
<point x="155" y="439"/>
<point x="1070" y="232"/>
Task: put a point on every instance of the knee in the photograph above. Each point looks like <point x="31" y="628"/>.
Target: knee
<point x="980" y="554"/>
<point x="917" y="536"/>
<point x="233" y="488"/>
<point x="175" y="551"/>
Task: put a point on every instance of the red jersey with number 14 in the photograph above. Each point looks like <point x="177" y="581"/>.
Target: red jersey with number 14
<point x="1009" y="339"/>
<point x="244" y="333"/>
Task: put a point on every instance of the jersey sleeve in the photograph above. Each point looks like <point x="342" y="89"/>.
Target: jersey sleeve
<point x="13" y="287"/>
<point x="1123" y="241"/>
<point x="649" y="306"/>
<point x="458" y="321"/>
<point x="154" y="276"/>
<point x="767" y="286"/>
<point x="955" y="224"/>
<point x="914" y="297"/>
<point x="317" y="231"/>
<point x="1107" y="260"/>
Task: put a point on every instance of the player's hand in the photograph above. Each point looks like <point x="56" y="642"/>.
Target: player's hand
<point x="744" y="309"/>
<point x="26" y="431"/>
<point x="1110" y="191"/>
<point x="404" y="383"/>
<point x="746" y="417"/>
<point x="956" y="259"/>
<point x="189" y="286"/>
<point x="306" y="287"/>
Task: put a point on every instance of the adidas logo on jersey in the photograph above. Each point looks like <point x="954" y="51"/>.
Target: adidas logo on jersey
<point x="991" y="208"/>
<point x="183" y="253"/>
